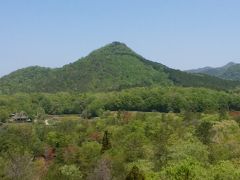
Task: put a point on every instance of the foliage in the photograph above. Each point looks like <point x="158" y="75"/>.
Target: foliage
<point x="135" y="174"/>
<point x="106" y="144"/>
<point x="166" y="132"/>
<point x="203" y="131"/>
<point x="153" y="130"/>
<point x="112" y="67"/>
<point x="162" y="99"/>
<point x="230" y="71"/>
<point x="185" y="170"/>
<point x="225" y="137"/>
<point x="71" y="172"/>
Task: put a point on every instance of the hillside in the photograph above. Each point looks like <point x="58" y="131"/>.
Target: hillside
<point x="112" y="67"/>
<point x="230" y="71"/>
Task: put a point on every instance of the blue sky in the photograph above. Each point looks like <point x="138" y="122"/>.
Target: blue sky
<point x="182" y="34"/>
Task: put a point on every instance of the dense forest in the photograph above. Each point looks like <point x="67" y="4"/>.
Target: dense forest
<point x="160" y="99"/>
<point x="230" y="71"/>
<point x="140" y="133"/>
<point x="112" y="67"/>
<point x="123" y="145"/>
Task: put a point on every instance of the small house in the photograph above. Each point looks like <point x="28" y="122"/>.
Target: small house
<point x="20" y="117"/>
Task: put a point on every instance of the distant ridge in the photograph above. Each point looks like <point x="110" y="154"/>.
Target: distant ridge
<point x="112" y="67"/>
<point x="230" y="71"/>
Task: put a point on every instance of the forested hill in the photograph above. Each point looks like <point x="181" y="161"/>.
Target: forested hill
<point x="112" y="67"/>
<point x="230" y="71"/>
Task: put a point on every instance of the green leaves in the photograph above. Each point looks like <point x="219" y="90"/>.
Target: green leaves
<point x="106" y="143"/>
<point x="187" y="169"/>
<point x="71" y="172"/>
<point x="112" y="67"/>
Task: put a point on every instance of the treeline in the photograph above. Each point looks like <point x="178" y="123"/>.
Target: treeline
<point x="166" y="99"/>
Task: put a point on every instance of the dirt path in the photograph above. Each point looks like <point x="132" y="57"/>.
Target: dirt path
<point x="46" y="122"/>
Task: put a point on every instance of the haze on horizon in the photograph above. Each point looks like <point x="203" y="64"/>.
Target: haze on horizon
<point x="181" y="35"/>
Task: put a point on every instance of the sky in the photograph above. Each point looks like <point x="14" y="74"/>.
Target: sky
<point x="181" y="34"/>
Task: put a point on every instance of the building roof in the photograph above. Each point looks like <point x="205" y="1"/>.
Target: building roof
<point x="20" y="116"/>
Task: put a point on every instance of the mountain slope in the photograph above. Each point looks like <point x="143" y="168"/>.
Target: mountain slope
<point x="186" y="79"/>
<point x="112" y="67"/>
<point x="230" y="71"/>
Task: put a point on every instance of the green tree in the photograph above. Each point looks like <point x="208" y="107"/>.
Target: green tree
<point x="225" y="137"/>
<point x="89" y="154"/>
<point x="189" y="148"/>
<point x="106" y="143"/>
<point x="203" y="131"/>
<point x="187" y="169"/>
<point x="71" y="172"/>
<point x="4" y="114"/>
<point x="20" y="167"/>
<point x="135" y="174"/>
<point x="102" y="170"/>
<point x="225" y="170"/>
<point x="134" y="146"/>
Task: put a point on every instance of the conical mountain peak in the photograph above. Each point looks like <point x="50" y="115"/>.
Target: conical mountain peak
<point x="111" y="67"/>
<point x="114" y="48"/>
<point x="117" y="43"/>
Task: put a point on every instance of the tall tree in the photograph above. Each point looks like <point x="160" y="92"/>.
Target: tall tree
<point x="135" y="174"/>
<point x="106" y="144"/>
<point x="102" y="171"/>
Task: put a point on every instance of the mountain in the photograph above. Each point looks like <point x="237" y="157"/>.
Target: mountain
<point x="199" y="70"/>
<point x="112" y="67"/>
<point x="230" y="71"/>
